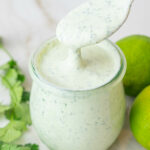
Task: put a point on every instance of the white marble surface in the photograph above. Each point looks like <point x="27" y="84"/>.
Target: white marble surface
<point x="25" y="24"/>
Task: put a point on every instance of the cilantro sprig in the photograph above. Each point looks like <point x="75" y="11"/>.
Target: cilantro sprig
<point x="4" y="146"/>
<point x="18" y="111"/>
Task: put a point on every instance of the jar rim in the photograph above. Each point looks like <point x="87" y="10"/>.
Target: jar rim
<point x="35" y="75"/>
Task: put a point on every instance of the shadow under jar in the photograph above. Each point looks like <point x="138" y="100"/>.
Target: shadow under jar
<point x="77" y="119"/>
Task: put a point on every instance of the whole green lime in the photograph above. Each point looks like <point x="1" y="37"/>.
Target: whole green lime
<point x="140" y="118"/>
<point x="137" y="52"/>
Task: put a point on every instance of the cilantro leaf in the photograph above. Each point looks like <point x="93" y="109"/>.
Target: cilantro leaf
<point x="5" y="146"/>
<point x="18" y="111"/>
<point x="21" y="78"/>
<point x="13" y="147"/>
<point x="10" y="81"/>
<point x="32" y="146"/>
<point x="23" y="113"/>
<point x="3" y="108"/>
<point x="12" y="131"/>
<point x="25" y="96"/>
<point x="10" y="64"/>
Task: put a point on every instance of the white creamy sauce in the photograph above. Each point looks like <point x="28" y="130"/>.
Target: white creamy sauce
<point x="70" y="62"/>
<point x="92" y="22"/>
<point x="87" y="120"/>
<point x="101" y="63"/>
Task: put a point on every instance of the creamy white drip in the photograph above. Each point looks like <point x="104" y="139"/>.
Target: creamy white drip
<point x="71" y="62"/>
<point x="100" y="63"/>
<point x="92" y="22"/>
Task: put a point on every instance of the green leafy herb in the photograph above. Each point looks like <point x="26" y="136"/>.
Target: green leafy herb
<point x="18" y="110"/>
<point x="12" y="131"/>
<point x="32" y="146"/>
<point x="10" y="81"/>
<point x="3" y="108"/>
<point x="25" y="96"/>
<point x="4" y="146"/>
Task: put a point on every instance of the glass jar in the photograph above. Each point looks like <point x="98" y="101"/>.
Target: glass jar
<point x="77" y="120"/>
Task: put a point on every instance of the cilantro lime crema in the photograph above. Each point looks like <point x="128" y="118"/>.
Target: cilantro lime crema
<point x="77" y="59"/>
